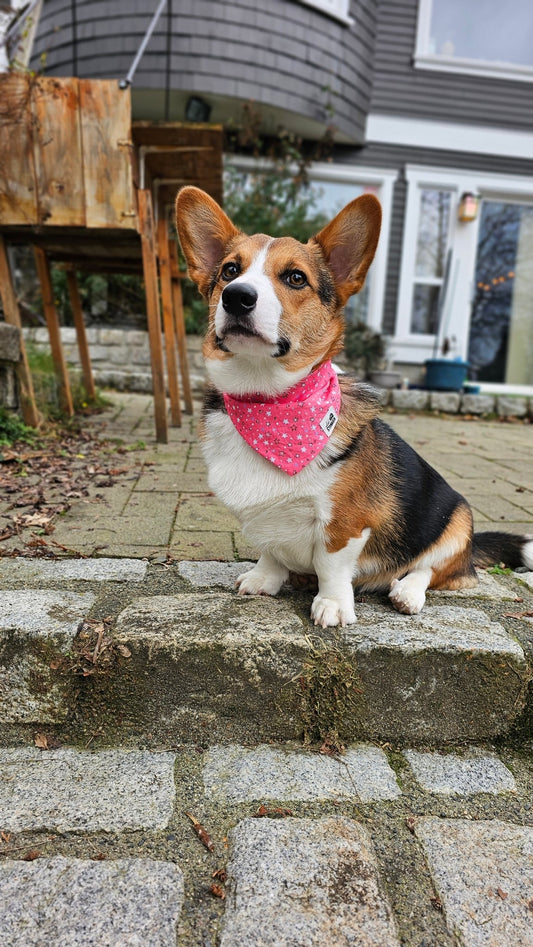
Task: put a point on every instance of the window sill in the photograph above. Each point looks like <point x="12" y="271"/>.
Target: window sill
<point x="471" y="67"/>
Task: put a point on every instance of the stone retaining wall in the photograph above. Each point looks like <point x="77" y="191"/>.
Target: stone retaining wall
<point x="453" y="402"/>
<point x="9" y="359"/>
<point x="121" y="360"/>
<point x="120" y="357"/>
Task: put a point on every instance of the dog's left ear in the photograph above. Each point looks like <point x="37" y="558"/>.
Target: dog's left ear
<point x="349" y="243"/>
<point x="204" y="231"/>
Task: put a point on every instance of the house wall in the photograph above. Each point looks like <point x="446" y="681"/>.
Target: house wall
<point x="402" y="89"/>
<point x="283" y="54"/>
<point x="395" y="157"/>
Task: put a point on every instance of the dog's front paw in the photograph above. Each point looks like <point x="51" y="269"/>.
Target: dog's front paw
<point x="259" y="582"/>
<point x="329" y="613"/>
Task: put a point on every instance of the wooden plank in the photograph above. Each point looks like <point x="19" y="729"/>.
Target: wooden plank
<point x="168" y="321"/>
<point x="146" y="230"/>
<point x="176" y="151"/>
<point x="57" y="149"/>
<point x="107" y="160"/>
<point x="18" y="200"/>
<point x="179" y="322"/>
<point x="54" y="332"/>
<point x="12" y="317"/>
<point x="81" y="335"/>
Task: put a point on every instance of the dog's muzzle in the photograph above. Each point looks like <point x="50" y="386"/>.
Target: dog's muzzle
<point x="239" y="303"/>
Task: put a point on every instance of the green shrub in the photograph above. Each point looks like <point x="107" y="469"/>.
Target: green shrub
<point x="12" y="429"/>
<point x="47" y="388"/>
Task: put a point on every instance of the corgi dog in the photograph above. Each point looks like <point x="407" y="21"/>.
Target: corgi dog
<point x="321" y="485"/>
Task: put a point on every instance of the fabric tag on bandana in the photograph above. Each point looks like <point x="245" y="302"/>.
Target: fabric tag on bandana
<point x="329" y="421"/>
<point x="292" y="429"/>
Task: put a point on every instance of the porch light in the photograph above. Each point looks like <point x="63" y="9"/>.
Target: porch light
<point x="468" y="207"/>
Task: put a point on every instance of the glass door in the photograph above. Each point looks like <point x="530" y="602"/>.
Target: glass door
<point x="501" y="328"/>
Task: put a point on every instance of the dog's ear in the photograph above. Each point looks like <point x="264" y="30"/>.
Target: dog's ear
<point x="349" y="242"/>
<point x="204" y="231"/>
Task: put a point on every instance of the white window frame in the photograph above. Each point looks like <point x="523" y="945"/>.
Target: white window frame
<point x="469" y="67"/>
<point x="338" y="9"/>
<point x="383" y="181"/>
<point x="407" y="346"/>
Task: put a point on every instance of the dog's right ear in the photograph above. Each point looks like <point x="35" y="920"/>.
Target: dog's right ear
<point x="204" y="231"/>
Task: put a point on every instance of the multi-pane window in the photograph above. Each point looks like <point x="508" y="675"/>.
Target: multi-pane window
<point x="482" y="36"/>
<point x="430" y="258"/>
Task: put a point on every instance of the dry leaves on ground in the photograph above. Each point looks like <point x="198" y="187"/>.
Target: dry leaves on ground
<point x="38" y="484"/>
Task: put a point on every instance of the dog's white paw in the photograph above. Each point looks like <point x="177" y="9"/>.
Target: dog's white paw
<point x="408" y="595"/>
<point x="329" y="613"/>
<point x="259" y="582"/>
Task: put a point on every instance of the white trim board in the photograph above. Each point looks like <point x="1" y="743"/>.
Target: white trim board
<point x="448" y="136"/>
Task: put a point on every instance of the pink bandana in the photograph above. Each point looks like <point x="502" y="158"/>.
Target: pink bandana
<point x="292" y="429"/>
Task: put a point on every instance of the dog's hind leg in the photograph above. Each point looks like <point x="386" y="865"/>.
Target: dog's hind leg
<point x="266" y="577"/>
<point x="408" y="595"/>
<point x="447" y="564"/>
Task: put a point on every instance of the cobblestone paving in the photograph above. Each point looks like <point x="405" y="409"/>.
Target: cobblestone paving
<point x="365" y="854"/>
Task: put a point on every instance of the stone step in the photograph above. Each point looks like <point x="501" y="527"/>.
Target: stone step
<point x="181" y="657"/>
<point x="375" y="847"/>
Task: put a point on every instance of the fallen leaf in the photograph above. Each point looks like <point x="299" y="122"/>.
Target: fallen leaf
<point x="41" y="741"/>
<point x="502" y="894"/>
<point x="221" y="874"/>
<point x="218" y="891"/>
<point x="36" y="519"/>
<point x="204" y="836"/>
<point x="123" y="650"/>
<point x="31" y="855"/>
<point x="266" y="812"/>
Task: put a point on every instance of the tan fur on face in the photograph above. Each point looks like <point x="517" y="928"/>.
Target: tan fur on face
<point x="314" y="328"/>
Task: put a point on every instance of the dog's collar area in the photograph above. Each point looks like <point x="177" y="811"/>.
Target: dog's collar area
<point x="290" y="429"/>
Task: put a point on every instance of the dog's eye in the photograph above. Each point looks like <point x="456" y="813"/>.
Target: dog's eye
<point x="230" y="270"/>
<point x="296" y="279"/>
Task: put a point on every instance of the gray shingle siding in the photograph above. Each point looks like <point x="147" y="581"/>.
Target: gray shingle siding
<point x="289" y="55"/>
<point x="401" y="89"/>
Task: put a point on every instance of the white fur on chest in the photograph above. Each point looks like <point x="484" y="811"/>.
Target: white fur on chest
<point x="283" y="515"/>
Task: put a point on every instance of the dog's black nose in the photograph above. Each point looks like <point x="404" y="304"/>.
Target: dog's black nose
<point x="238" y="299"/>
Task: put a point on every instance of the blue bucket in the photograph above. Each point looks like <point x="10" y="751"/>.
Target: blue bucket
<point x="444" y="374"/>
